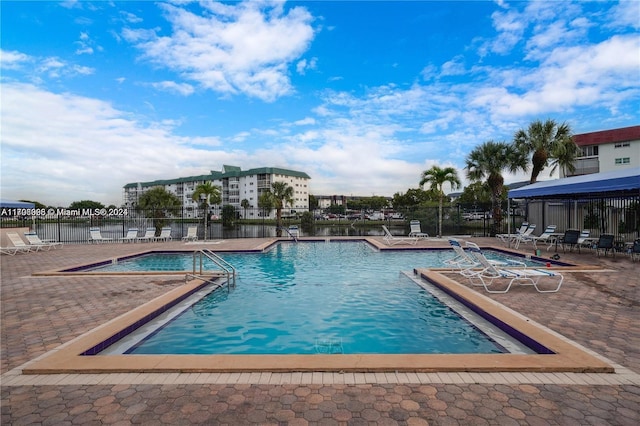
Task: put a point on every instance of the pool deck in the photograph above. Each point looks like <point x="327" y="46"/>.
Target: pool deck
<point x="597" y="308"/>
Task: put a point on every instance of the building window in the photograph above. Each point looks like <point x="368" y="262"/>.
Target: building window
<point x="590" y="151"/>
<point x="622" y="144"/>
<point x="625" y="160"/>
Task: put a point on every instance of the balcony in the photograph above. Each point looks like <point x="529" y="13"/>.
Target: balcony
<point x="586" y="166"/>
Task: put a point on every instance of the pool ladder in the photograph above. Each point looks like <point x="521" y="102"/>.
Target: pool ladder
<point x="227" y="269"/>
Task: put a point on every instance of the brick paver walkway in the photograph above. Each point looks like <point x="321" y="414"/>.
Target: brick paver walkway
<point x="599" y="310"/>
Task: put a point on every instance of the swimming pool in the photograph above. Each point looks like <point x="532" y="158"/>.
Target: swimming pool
<point x="322" y="297"/>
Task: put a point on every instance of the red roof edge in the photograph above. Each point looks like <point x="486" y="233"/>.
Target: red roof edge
<point x="608" y="136"/>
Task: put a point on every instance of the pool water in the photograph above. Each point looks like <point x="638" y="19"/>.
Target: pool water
<point x="322" y="297"/>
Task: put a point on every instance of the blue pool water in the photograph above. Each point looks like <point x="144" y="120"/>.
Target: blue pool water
<point x="325" y="297"/>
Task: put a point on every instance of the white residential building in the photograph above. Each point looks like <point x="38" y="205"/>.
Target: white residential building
<point x="607" y="151"/>
<point x="235" y="184"/>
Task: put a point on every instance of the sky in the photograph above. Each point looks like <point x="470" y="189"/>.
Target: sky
<point x="363" y="96"/>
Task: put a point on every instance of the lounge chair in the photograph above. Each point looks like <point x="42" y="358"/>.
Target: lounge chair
<point x="491" y="273"/>
<point x="131" y="237"/>
<point x="165" y="234"/>
<point x="547" y="237"/>
<point x="605" y="243"/>
<point x="96" y="237"/>
<point x="149" y="235"/>
<point x="524" y="237"/>
<point x="392" y="240"/>
<point x="416" y="230"/>
<point x="506" y="238"/>
<point x="192" y="234"/>
<point x="35" y="241"/>
<point x="17" y="242"/>
<point x="462" y="260"/>
<point x="18" y="246"/>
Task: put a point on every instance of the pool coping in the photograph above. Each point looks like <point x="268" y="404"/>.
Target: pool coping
<point x="567" y="356"/>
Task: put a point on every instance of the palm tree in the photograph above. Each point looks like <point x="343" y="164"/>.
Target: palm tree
<point x="281" y="194"/>
<point x="210" y="194"/>
<point x="541" y="140"/>
<point x="564" y="156"/>
<point x="245" y="205"/>
<point x="156" y="203"/>
<point x="488" y="161"/>
<point x="438" y="177"/>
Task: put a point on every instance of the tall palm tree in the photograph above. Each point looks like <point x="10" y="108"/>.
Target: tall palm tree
<point x="564" y="156"/>
<point x="210" y="195"/>
<point x="437" y="177"/>
<point x="541" y="140"/>
<point x="281" y="194"/>
<point x="245" y="205"/>
<point x="488" y="161"/>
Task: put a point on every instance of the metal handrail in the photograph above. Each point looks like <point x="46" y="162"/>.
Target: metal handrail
<point x="225" y="266"/>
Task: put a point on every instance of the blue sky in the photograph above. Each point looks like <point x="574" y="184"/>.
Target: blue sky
<point x="362" y="96"/>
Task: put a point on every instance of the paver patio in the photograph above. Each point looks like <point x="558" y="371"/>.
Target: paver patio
<point x="598" y="310"/>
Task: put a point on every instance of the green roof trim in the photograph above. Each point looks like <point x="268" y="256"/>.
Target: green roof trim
<point x="229" y="171"/>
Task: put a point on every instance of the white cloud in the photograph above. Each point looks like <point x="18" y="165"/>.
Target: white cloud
<point x="238" y="48"/>
<point x="12" y="59"/>
<point x="183" y="89"/>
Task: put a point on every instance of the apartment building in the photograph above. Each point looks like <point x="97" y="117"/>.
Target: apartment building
<point x="607" y="151"/>
<point x="235" y="184"/>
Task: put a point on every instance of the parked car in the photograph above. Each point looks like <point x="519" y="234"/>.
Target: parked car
<point x="473" y="216"/>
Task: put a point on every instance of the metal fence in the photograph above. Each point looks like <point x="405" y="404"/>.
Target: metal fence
<point x="73" y="226"/>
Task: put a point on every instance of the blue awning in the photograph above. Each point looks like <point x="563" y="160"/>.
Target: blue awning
<point x="11" y="204"/>
<point x="626" y="181"/>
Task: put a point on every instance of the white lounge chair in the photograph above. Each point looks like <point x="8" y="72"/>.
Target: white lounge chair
<point x="149" y="235"/>
<point x="14" y="249"/>
<point x="506" y="238"/>
<point x="17" y="242"/>
<point x="392" y="240"/>
<point x="547" y="237"/>
<point x="96" y="237"/>
<point x="35" y="241"/>
<point x="131" y="237"/>
<point x="416" y="230"/>
<point x="524" y="236"/>
<point x="462" y="260"/>
<point x="192" y="234"/>
<point x="165" y="234"/>
<point x="490" y="273"/>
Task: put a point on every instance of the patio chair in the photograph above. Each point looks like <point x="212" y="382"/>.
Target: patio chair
<point x="416" y="230"/>
<point x="491" y="273"/>
<point x="570" y="238"/>
<point x="391" y="240"/>
<point x="506" y="238"/>
<point x="34" y="240"/>
<point x="165" y="234"/>
<point x="96" y="237"/>
<point x="635" y="250"/>
<point x="605" y="243"/>
<point x="18" y="242"/>
<point x="585" y="240"/>
<point x="192" y="234"/>
<point x="131" y="237"/>
<point x="149" y="235"/>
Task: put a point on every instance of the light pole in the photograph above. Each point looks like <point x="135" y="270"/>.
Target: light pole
<point x="203" y="197"/>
